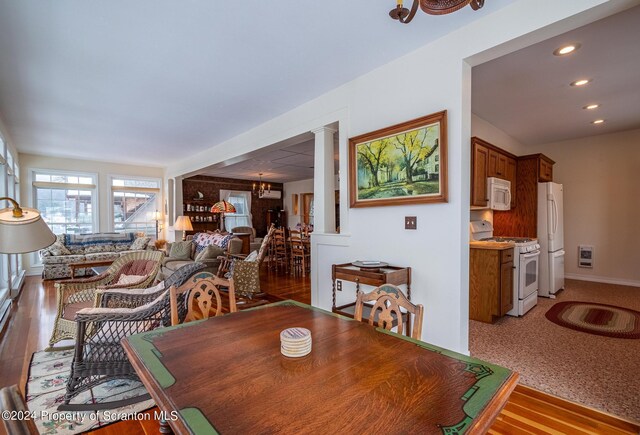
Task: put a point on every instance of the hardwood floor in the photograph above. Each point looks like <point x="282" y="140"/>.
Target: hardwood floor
<point x="528" y="410"/>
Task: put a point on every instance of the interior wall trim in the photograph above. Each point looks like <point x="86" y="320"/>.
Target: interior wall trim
<point x="602" y="279"/>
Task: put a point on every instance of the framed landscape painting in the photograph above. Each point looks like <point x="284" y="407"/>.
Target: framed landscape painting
<point x="401" y="164"/>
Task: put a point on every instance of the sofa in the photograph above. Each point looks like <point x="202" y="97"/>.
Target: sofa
<point x="254" y="242"/>
<point x="201" y="247"/>
<point x="77" y="248"/>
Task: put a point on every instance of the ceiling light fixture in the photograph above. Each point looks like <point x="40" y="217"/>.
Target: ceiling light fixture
<point x="580" y="82"/>
<point x="598" y="121"/>
<point x="431" y="7"/>
<point x="260" y="187"/>
<point x="566" y="49"/>
<point x="591" y="106"/>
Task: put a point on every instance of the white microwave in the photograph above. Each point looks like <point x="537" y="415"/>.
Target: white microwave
<point x="499" y="192"/>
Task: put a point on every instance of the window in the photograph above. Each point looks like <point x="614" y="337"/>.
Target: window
<point x="67" y="201"/>
<point x="4" y="258"/>
<point x="10" y="264"/>
<point x="242" y="202"/>
<point x="134" y="203"/>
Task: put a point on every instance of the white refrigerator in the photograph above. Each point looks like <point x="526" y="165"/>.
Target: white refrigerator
<point x="551" y="239"/>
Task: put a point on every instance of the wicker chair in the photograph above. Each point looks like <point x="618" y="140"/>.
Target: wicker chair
<point x="76" y="294"/>
<point x="99" y="356"/>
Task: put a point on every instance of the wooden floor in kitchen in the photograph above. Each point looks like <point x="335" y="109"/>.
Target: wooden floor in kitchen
<point x="528" y="410"/>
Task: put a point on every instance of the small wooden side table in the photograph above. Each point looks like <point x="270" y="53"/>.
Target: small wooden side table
<point x="88" y="265"/>
<point x="395" y="275"/>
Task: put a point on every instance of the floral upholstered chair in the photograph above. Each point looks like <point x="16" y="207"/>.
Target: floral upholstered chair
<point x="134" y="270"/>
<point x="244" y="272"/>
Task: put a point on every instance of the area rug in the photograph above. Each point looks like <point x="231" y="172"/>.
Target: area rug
<point x="46" y="385"/>
<point x="598" y="319"/>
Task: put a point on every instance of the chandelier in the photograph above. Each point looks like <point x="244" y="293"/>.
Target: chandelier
<point x="432" y="7"/>
<point x="260" y="187"/>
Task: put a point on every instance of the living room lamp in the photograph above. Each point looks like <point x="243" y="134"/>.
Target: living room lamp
<point x="431" y="7"/>
<point x="23" y="230"/>
<point x="183" y="224"/>
<point x="223" y="207"/>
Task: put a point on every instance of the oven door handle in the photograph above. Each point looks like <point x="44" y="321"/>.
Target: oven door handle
<point x="531" y="255"/>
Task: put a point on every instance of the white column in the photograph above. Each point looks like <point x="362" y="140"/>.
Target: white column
<point x="324" y="220"/>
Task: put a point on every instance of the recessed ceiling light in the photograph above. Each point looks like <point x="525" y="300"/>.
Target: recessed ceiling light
<point x="591" y="106"/>
<point x="598" y="121"/>
<point x="580" y="82"/>
<point x="566" y="49"/>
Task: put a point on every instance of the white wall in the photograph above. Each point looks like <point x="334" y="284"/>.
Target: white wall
<point x="492" y="134"/>
<point x="302" y="186"/>
<point x="431" y="79"/>
<point x="29" y="162"/>
<point x="601" y="179"/>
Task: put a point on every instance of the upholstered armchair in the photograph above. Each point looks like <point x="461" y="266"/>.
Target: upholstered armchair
<point x="140" y="268"/>
<point x="254" y="242"/>
<point x="99" y="356"/>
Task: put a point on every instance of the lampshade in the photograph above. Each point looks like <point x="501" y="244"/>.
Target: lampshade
<point x="223" y="207"/>
<point x="22" y="234"/>
<point x="183" y="224"/>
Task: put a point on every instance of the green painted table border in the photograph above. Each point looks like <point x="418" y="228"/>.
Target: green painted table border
<point x="489" y="377"/>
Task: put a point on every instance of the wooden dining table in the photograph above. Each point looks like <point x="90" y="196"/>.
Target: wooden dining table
<point x="227" y="375"/>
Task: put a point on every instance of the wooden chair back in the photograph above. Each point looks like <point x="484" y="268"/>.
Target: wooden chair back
<point x="203" y="297"/>
<point x="386" y="312"/>
<point x="11" y="400"/>
<point x="279" y="251"/>
<point x="299" y="251"/>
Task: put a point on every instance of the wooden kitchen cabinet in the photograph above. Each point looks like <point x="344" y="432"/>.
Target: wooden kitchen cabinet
<point x="488" y="160"/>
<point x="522" y="220"/>
<point x="479" y="165"/>
<point x="545" y="170"/>
<point x="497" y="164"/>
<point x="490" y="283"/>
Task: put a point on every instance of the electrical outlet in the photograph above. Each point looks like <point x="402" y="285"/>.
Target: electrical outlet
<point x="410" y="222"/>
<point x="339" y="285"/>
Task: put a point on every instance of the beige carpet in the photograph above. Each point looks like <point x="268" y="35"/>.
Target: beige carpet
<point x="597" y="371"/>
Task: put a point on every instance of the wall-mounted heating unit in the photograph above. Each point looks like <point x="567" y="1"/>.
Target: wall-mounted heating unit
<point x="585" y="256"/>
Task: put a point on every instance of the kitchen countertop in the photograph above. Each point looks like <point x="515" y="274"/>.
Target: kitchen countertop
<point x="498" y="246"/>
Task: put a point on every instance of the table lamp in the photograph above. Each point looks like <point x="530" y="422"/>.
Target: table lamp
<point x="183" y="224"/>
<point x="23" y="230"/>
<point x="223" y="207"/>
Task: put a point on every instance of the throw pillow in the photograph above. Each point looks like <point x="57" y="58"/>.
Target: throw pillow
<point x="140" y="243"/>
<point x="252" y="257"/>
<point x="181" y="250"/>
<point x="210" y="252"/>
<point x="130" y="279"/>
<point x="58" y="247"/>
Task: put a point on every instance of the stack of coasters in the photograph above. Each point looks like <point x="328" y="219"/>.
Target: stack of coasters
<point x="295" y="342"/>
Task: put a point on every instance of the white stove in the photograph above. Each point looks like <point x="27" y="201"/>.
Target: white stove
<point x="526" y="255"/>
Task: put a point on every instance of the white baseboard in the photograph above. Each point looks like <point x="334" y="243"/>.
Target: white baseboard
<point x="603" y="279"/>
<point x="35" y="270"/>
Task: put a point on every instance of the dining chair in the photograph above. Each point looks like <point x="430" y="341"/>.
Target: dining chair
<point x="386" y="312"/>
<point x="11" y="401"/>
<point x="279" y="252"/>
<point x="299" y="252"/>
<point x="202" y="297"/>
